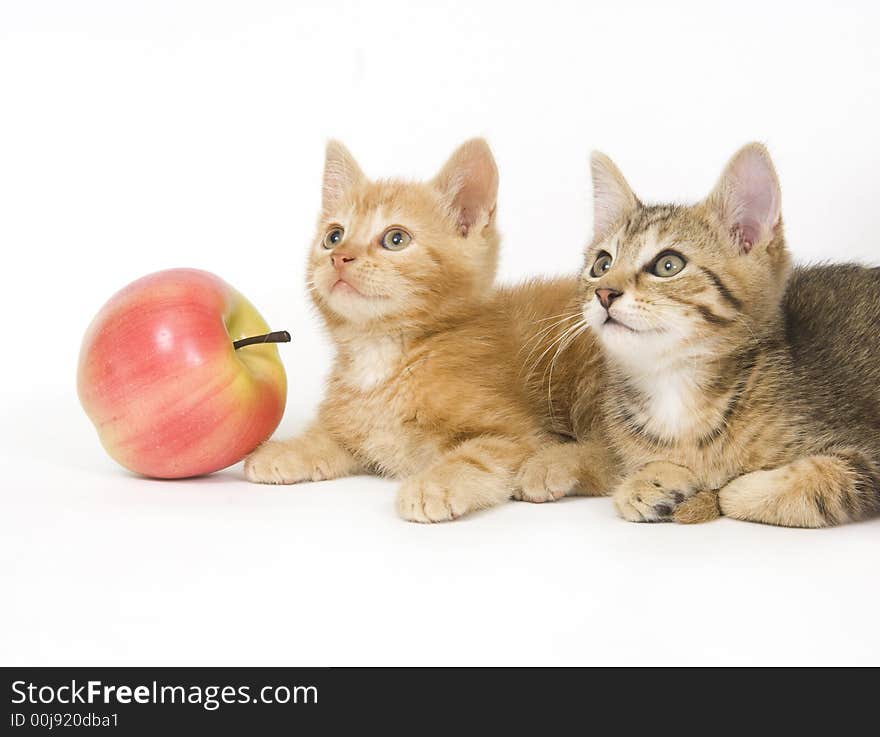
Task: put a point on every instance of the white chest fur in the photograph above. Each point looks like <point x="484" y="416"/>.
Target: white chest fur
<point x="371" y="361"/>
<point x="671" y="402"/>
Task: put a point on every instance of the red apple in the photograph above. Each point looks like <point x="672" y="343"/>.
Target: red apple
<point x="169" y="385"/>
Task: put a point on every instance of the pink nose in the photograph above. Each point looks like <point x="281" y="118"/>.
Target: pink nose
<point x="607" y="296"/>
<point x="340" y="259"/>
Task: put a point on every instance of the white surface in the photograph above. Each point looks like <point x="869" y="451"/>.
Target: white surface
<point x="138" y="136"/>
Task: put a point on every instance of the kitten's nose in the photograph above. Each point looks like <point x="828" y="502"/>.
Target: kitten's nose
<point x="340" y="259"/>
<point x="607" y="296"/>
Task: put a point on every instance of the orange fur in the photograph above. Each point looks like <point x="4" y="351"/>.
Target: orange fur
<point x="440" y="378"/>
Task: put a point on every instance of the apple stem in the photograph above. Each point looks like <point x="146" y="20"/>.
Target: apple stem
<point x="279" y="336"/>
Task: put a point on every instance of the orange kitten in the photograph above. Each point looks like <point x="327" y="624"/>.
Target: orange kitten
<point x="427" y="384"/>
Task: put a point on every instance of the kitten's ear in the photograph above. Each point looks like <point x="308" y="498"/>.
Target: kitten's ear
<point x="747" y="197"/>
<point x="341" y="173"/>
<point x="612" y="196"/>
<point x="469" y="182"/>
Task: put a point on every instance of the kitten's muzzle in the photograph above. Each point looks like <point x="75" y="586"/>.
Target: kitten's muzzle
<point x="607" y="296"/>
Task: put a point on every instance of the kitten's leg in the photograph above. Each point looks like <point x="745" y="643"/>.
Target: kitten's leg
<point x="477" y="474"/>
<point x="652" y="493"/>
<point x="815" y="491"/>
<point x="565" y="469"/>
<point x="313" y="456"/>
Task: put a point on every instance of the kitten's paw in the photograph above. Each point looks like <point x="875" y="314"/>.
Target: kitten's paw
<point x="550" y="474"/>
<point x="288" y="462"/>
<point x="449" y="491"/>
<point x="421" y="499"/>
<point x="653" y="492"/>
<point x="804" y="493"/>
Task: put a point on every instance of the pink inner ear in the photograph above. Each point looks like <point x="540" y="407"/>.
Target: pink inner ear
<point x="612" y="196"/>
<point x="469" y="183"/>
<point x="475" y="195"/>
<point x="747" y="233"/>
<point x="752" y="201"/>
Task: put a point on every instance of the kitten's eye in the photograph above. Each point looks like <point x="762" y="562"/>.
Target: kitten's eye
<point x="396" y="239"/>
<point x="333" y="237"/>
<point x="601" y="264"/>
<point x="668" y="264"/>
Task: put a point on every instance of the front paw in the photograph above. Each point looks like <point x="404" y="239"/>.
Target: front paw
<point x="448" y="491"/>
<point x="550" y="474"/>
<point x="288" y="462"/>
<point x="653" y="492"/>
<point x="424" y="498"/>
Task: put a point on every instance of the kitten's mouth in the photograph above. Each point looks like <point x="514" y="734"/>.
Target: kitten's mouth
<point x="341" y="286"/>
<point x="611" y="322"/>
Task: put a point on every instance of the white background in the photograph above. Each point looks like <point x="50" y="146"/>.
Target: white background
<point x="136" y="136"/>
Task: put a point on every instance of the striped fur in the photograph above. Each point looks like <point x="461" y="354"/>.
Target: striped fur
<point x="738" y="385"/>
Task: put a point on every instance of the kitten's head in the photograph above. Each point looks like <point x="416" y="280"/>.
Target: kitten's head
<point x="390" y="254"/>
<point x="666" y="281"/>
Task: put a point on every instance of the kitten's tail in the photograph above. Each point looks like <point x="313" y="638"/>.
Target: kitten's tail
<point x="701" y="507"/>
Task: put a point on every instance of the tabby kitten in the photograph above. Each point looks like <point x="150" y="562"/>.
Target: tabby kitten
<point x="723" y="372"/>
<point x="428" y="383"/>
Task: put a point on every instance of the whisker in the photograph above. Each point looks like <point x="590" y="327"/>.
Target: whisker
<point x="562" y="336"/>
<point x="569" y="338"/>
<point x="546" y="351"/>
<point x="535" y="340"/>
<point x="564" y="318"/>
<point x="561" y="314"/>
